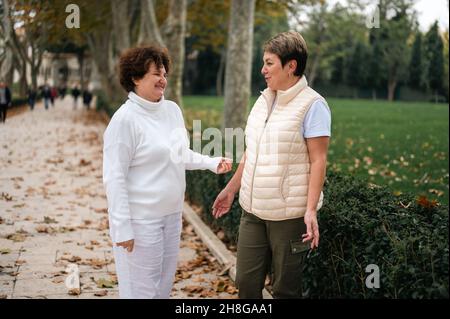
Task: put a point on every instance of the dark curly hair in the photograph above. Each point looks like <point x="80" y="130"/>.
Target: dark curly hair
<point x="135" y="63"/>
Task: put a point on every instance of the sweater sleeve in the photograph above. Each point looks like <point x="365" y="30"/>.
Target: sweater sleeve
<point x="117" y="155"/>
<point x="196" y="160"/>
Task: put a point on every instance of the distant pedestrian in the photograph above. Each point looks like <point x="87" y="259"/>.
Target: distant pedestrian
<point x="87" y="98"/>
<point x="75" y="94"/>
<point x="31" y="98"/>
<point x="53" y="95"/>
<point x="62" y="91"/>
<point x="5" y="100"/>
<point x="46" y="95"/>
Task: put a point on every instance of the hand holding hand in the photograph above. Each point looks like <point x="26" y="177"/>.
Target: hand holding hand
<point x="225" y="165"/>
<point x="128" y="245"/>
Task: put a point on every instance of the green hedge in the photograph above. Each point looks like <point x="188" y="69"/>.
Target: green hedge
<point x="18" y="102"/>
<point x="360" y="225"/>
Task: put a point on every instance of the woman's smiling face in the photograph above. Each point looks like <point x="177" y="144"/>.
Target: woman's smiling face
<point x="151" y="87"/>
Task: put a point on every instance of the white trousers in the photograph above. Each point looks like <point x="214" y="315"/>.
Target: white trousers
<point x="148" y="271"/>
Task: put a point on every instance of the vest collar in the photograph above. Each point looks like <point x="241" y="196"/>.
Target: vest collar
<point x="284" y="97"/>
<point x="146" y="104"/>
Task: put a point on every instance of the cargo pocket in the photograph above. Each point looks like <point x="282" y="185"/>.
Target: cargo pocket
<point x="300" y="249"/>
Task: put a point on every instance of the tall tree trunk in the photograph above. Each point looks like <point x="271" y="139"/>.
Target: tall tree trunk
<point x="239" y="63"/>
<point x="99" y="45"/>
<point x="392" y="84"/>
<point x="7" y="69"/>
<point x="219" y="76"/>
<point x="121" y="25"/>
<point x="175" y="44"/>
<point x="23" y="81"/>
<point x="149" y="30"/>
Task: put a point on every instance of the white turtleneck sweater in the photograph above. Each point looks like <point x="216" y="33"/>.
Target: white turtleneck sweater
<point x="145" y="155"/>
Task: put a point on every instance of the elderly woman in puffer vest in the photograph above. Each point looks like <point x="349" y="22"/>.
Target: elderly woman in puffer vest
<point x="281" y="175"/>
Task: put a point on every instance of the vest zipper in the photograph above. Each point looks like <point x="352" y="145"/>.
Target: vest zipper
<point x="257" y="154"/>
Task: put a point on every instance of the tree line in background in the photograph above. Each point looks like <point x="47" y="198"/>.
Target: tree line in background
<point x="216" y="46"/>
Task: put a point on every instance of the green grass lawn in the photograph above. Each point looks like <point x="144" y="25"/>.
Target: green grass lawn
<point x="402" y="145"/>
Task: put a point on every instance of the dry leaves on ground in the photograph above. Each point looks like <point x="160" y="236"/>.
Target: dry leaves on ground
<point x="105" y="283"/>
<point x="101" y="293"/>
<point x="74" y="292"/>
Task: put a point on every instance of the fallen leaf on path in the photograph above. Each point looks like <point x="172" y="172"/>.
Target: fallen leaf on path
<point x="193" y="289"/>
<point x="74" y="291"/>
<point x="45" y="229"/>
<point x="219" y="285"/>
<point x="96" y="263"/>
<point x="101" y="293"/>
<point x="70" y="258"/>
<point x="58" y="280"/>
<point x="55" y="160"/>
<point x="101" y="210"/>
<point x="84" y="162"/>
<point x="6" y="197"/>
<point x="105" y="283"/>
<point x="208" y="293"/>
<point x="16" y="237"/>
<point x="104" y="224"/>
<point x="49" y="220"/>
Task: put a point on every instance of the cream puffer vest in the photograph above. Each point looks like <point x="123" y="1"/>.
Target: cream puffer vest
<point x="275" y="179"/>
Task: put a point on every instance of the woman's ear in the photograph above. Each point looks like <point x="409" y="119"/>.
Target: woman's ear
<point x="136" y="82"/>
<point x="292" y="66"/>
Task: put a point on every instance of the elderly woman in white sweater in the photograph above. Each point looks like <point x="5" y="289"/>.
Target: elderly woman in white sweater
<point x="145" y="155"/>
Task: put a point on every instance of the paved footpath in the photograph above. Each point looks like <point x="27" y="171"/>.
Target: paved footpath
<point x="53" y="213"/>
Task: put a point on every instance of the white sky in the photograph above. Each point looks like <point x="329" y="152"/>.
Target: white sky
<point x="428" y="11"/>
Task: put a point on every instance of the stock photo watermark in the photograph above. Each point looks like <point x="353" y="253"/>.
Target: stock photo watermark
<point x="73" y="19"/>
<point x="234" y="139"/>
<point x="72" y="281"/>
<point x="373" y="19"/>
<point x="373" y="279"/>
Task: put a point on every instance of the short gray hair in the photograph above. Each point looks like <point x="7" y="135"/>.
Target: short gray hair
<point x="289" y="46"/>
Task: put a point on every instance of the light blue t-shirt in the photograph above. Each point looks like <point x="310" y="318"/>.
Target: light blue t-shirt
<point x="317" y="121"/>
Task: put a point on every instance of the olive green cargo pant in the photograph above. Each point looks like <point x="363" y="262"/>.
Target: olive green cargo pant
<point x="265" y="246"/>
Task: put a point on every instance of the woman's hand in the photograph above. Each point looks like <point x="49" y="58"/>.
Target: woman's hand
<point x="312" y="229"/>
<point x="223" y="203"/>
<point x="225" y="165"/>
<point x="128" y="245"/>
